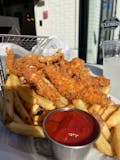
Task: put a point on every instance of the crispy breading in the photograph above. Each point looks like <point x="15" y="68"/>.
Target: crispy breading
<point x="56" y="78"/>
<point x="30" y="68"/>
<point x="69" y="88"/>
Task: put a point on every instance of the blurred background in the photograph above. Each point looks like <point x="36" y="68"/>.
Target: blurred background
<point x="78" y="22"/>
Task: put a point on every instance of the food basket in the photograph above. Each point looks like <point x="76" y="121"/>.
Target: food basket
<point x="24" y="113"/>
<point x="25" y="41"/>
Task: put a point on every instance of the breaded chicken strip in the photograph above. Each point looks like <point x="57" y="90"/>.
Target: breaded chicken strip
<point x="44" y="88"/>
<point x="70" y="89"/>
<point x="30" y="70"/>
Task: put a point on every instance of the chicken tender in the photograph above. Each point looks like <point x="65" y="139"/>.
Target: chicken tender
<point x="69" y="88"/>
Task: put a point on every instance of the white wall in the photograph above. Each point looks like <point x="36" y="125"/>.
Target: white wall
<point x="62" y="20"/>
<point x="93" y="28"/>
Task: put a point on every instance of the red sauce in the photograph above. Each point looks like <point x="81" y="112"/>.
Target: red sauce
<point x="71" y="127"/>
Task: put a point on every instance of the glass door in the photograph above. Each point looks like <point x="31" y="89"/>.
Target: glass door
<point x="98" y="12"/>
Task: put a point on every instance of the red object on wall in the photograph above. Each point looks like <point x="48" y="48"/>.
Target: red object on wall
<point x="45" y="14"/>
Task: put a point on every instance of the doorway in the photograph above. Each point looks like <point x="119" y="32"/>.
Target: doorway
<point x="24" y="11"/>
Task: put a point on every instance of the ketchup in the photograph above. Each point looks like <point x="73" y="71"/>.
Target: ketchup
<point x="71" y="127"/>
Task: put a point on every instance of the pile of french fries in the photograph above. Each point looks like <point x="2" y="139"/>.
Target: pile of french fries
<point x="23" y="111"/>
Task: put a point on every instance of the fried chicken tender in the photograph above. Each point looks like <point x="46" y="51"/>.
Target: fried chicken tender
<point x="75" y="69"/>
<point x="57" y="79"/>
<point x="44" y="88"/>
<point x="30" y="69"/>
<point x="35" y="61"/>
<point x="52" y="59"/>
<point x="18" y="65"/>
<point x="70" y="89"/>
<point x="72" y="67"/>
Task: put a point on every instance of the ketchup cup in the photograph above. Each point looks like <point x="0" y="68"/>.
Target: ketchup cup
<point x="71" y="132"/>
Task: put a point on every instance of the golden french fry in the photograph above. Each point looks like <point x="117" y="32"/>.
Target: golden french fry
<point x="106" y="132"/>
<point x="94" y="108"/>
<point x="21" y="110"/>
<point x="36" y="118"/>
<point x="116" y="140"/>
<point x="8" y="108"/>
<point x="62" y="102"/>
<point x="104" y="128"/>
<point x="78" y="103"/>
<point x="108" y="111"/>
<point x="45" y="103"/>
<point x="25" y="129"/>
<point x="39" y="118"/>
<point x="114" y="118"/>
<point x="27" y="94"/>
<point x="35" y="109"/>
<point x="24" y="91"/>
<point x="27" y="106"/>
<point x="104" y="146"/>
<point x="8" y="83"/>
<point x="17" y="119"/>
<point x="36" y="123"/>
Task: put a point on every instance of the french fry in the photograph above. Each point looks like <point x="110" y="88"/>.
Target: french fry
<point x="104" y="146"/>
<point x="39" y="118"/>
<point x="116" y="140"/>
<point x="17" y="118"/>
<point x="36" y="123"/>
<point x="108" y="111"/>
<point x="78" y="103"/>
<point x="29" y="96"/>
<point x="62" y="102"/>
<point x="114" y="118"/>
<point x="35" y="109"/>
<point x="45" y="103"/>
<point x="8" y="84"/>
<point x="27" y="106"/>
<point x="25" y="129"/>
<point x="8" y="108"/>
<point x="101" y="110"/>
<point x="21" y="110"/>
<point x="24" y="91"/>
<point x="95" y="108"/>
<point x="104" y="128"/>
<point x="106" y="132"/>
